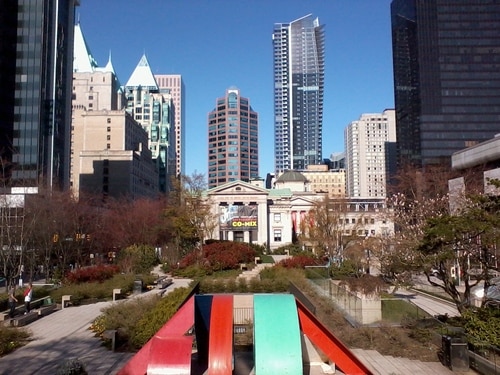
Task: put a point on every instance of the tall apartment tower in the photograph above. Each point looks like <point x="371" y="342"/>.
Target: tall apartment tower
<point x="233" y="140"/>
<point x="446" y="76"/>
<point x="36" y="55"/>
<point x="368" y="154"/>
<point x="298" y="51"/>
<point x="152" y="107"/>
<point x="175" y="84"/>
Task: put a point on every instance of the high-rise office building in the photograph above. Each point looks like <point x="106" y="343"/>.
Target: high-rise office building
<point x="36" y="54"/>
<point x="446" y="76"/>
<point x="368" y="154"/>
<point x="175" y="84"/>
<point x="233" y="140"/>
<point x="298" y="51"/>
<point x="151" y="107"/>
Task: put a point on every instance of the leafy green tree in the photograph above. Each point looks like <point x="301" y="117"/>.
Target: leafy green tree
<point x="137" y="259"/>
<point x="467" y="236"/>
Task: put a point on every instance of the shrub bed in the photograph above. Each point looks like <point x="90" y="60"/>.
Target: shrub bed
<point x="299" y="261"/>
<point x="218" y="256"/>
<point x="94" y="290"/>
<point x="91" y="274"/>
<point x="12" y="338"/>
<point x="137" y="320"/>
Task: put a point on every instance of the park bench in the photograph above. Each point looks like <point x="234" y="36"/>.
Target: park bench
<point x="165" y="283"/>
<point x="39" y="302"/>
<point x="20" y="309"/>
<point x="159" y="280"/>
<point x="22" y="320"/>
<point x="46" y="309"/>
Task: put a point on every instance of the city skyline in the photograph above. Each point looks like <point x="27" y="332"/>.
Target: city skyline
<point x="213" y="45"/>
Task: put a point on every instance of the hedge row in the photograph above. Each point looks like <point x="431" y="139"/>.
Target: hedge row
<point x="137" y="320"/>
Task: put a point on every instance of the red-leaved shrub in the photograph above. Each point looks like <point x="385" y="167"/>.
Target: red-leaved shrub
<point x="219" y="256"/>
<point x="298" y="261"/>
<point x="92" y="274"/>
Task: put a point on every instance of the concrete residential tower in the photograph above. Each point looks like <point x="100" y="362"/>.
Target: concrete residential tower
<point x="369" y="144"/>
<point x="233" y="135"/>
<point x="298" y="51"/>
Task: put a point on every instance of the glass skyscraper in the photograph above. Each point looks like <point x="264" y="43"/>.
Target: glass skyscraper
<point x="446" y="57"/>
<point x="298" y="51"/>
<point x="36" y="55"/>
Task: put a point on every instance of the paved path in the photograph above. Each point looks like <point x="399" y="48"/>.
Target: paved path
<point x="65" y="334"/>
<point x="432" y="306"/>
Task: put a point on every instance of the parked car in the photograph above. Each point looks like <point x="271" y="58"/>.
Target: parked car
<point x="435" y="272"/>
<point x="491" y="294"/>
<point x="475" y="273"/>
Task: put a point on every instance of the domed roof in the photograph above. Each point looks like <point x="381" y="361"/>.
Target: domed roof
<point x="292" y="176"/>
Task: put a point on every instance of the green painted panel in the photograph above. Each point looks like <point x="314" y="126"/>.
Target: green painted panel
<point x="277" y="345"/>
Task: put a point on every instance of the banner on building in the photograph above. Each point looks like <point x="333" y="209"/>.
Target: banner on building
<point x="238" y="217"/>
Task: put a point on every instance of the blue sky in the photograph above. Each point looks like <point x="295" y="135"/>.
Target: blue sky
<point x="216" y="44"/>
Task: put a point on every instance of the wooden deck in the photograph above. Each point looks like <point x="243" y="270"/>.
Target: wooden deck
<point x="388" y="365"/>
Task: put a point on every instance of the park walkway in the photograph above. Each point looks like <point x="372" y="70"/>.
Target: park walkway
<point x="65" y="334"/>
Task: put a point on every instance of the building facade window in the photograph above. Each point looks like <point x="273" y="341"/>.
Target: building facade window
<point x="277" y="235"/>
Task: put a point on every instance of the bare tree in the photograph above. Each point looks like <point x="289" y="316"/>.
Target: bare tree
<point x="397" y="252"/>
<point x="191" y="220"/>
<point x="326" y="225"/>
<point x="13" y="236"/>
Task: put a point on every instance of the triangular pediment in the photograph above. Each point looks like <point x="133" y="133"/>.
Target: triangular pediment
<point x="237" y="188"/>
<point x="303" y="201"/>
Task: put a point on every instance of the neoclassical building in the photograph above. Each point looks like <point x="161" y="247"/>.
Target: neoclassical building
<point x="248" y="212"/>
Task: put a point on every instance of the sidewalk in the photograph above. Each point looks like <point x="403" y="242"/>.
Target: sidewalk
<point x="65" y="334"/>
<point x="432" y="306"/>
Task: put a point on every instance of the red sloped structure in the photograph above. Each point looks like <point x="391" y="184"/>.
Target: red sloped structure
<point x="334" y="349"/>
<point x="169" y="348"/>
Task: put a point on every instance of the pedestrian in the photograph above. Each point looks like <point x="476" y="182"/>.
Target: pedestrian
<point x="12" y="300"/>
<point x="28" y="295"/>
